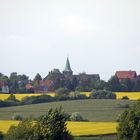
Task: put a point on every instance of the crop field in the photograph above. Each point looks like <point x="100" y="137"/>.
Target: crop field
<point x="130" y="95"/>
<point x="76" y="128"/>
<point x="21" y="96"/>
<point x="97" y="110"/>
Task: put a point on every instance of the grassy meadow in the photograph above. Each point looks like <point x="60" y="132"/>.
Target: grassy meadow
<point x="97" y="110"/>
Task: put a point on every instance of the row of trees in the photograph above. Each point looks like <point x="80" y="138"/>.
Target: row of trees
<point x="17" y="83"/>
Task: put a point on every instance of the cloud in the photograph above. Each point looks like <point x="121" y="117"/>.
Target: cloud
<point x="75" y="24"/>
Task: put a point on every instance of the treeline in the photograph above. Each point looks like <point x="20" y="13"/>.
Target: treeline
<point x="17" y="83"/>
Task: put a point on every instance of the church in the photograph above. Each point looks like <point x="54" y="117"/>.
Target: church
<point x="68" y="73"/>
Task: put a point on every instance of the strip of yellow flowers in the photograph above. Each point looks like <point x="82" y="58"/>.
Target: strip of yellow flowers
<point x="76" y="128"/>
<point x="130" y="95"/>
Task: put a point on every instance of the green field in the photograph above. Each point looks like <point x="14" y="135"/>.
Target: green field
<point x="97" y="138"/>
<point x="104" y="110"/>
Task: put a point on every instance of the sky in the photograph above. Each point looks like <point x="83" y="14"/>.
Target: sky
<point x="99" y="36"/>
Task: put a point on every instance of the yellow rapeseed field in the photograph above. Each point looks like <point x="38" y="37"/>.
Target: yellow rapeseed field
<point x="91" y="128"/>
<point x="86" y="93"/>
<point x="130" y="95"/>
<point x="20" y="96"/>
<point x="76" y="128"/>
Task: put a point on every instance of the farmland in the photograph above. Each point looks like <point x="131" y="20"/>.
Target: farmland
<point x="21" y="96"/>
<point x="76" y="128"/>
<point x="130" y="95"/>
<point x="96" y="110"/>
<point x="119" y="95"/>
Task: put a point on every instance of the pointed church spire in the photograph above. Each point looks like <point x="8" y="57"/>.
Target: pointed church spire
<point x="67" y="66"/>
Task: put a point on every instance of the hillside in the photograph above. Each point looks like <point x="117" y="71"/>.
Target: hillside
<point x="92" y="110"/>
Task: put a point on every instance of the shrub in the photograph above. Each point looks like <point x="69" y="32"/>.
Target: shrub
<point x="11" y="98"/>
<point x="76" y="116"/>
<point x="18" y="117"/>
<point x="103" y="94"/>
<point x="129" y="125"/>
<point x="123" y="105"/>
<point x="125" y="98"/>
<point x="37" y="99"/>
<point x="24" y="131"/>
<point x="1" y="136"/>
<point x="62" y="92"/>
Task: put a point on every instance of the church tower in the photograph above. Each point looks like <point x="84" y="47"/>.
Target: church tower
<point x="67" y="71"/>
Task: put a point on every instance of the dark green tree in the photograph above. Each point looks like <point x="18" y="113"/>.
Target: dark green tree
<point x="37" y="77"/>
<point x="52" y="126"/>
<point x="129" y="123"/>
<point x="113" y="84"/>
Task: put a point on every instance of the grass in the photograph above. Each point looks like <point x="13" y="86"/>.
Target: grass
<point x="97" y="110"/>
<point x="108" y="137"/>
<point x="76" y="128"/>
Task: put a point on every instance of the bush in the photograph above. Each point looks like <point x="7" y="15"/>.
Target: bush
<point x="37" y="99"/>
<point x="11" y="98"/>
<point x="62" y="92"/>
<point x="125" y="98"/>
<point x="24" y="131"/>
<point x="76" y="116"/>
<point x="129" y="123"/>
<point x="18" y="117"/>
<point x="102" y="94"/>
<point x="1" y="136"/>
<point x="123" y="105"/>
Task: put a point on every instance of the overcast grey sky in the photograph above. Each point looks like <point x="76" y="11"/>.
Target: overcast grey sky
<point x="100" y="36"/>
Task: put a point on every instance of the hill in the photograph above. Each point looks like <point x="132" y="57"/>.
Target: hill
<point x="93" y="110"/>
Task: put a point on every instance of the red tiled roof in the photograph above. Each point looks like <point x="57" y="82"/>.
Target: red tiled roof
<point x="46" y="83"/>
<point x="28" y="86"/>
<point x="126" y="74"/>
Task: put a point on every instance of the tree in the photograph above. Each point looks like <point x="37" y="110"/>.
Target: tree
<point x="113" y="84"/>
<point x="100" y="85"/>
<point x="37" y="77"/>
<point x="52" y="126"/>
<point x="129" y="123"/>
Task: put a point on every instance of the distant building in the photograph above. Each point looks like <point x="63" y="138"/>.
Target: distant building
<point x="68" y="73"/>
<point x="43" y="86"/>
<point x="121" y="75"/>
<point x="4" y="87"/>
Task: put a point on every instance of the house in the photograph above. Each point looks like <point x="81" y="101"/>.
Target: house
<point x="43" y="86"/>
<point x="4" y="87"/>
<point x="121" y="75"/>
